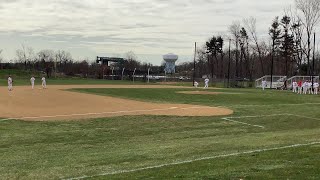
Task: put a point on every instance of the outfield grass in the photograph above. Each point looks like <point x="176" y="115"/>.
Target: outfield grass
<point x="100" y="147"/>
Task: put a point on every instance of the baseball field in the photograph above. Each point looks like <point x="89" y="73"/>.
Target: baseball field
<point x="101" y="130"/>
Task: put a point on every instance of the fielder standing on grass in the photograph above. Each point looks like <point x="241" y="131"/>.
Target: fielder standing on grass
<point x="44" y="83"/>
<point x="316" y="87"/>
<point x="305" y="87"/>
<point x="32" y="82"/>
<point x="10" y="82"/>
<point x="310" y="90"/>
<point x="300" y="87"/>
<point x="206" y="82"/>
<point x="264" y="84"/>
<point x="294" y="86"/>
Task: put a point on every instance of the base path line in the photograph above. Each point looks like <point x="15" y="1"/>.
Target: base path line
<point x="304" y="117"/>
<point x="263" y="105"/>
<point x="195" y="160"/>
<point x="239" y="122"/>
<point x="270" y="115"/>
<point x="100" y="113"/>
<point x="254" y="125"/>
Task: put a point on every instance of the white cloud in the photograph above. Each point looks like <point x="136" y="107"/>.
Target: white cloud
<point x="117" y="26"/>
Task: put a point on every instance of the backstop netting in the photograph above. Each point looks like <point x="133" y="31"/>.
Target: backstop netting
<point x="277" y="81"/>
<point x="301" y="78"/>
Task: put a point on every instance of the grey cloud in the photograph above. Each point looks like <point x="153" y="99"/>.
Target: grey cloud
<point x="141" y="25"/>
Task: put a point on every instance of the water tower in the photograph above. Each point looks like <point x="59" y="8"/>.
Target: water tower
<point x="170" y="60"/>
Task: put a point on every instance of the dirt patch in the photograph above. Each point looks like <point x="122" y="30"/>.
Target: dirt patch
<point x="168" y="83"/>
<point x="204" y="92"/>
<point x="56" y="104"/>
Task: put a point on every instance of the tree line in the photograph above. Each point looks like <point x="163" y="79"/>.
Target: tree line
<point x="242" y="54"/>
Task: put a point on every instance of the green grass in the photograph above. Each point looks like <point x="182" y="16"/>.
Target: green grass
<point x="55" y="150"/>
<point x="4" y="73"/>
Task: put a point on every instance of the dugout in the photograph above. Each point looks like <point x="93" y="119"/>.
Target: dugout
<point x="106" y="72"/>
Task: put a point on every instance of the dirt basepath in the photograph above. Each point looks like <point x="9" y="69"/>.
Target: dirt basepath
<point x="56" y="104"/>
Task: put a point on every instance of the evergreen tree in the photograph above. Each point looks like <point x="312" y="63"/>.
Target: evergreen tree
<point x="274" y="33"/>
<point x="287" y="46"/>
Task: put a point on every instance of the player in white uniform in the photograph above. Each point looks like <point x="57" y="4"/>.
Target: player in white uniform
<point x="295" y="87"/>
<point x="315" y="87"/>
<point x="264" y="84"/>
<point x="206" y="82"/>
<point x="32" y="82"/>
<point x="44" y="83"/>
<point x="196" y="84"/>
<point x="305" y="87"/>
<point x="10" y="81"/>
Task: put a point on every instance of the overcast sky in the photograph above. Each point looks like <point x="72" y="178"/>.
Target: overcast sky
<point x="149" y="28"/>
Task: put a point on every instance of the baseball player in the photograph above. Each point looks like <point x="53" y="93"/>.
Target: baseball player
<point x="316" y="87"/>
<point x="206" y="82"/>
<point x="305" y="87"/>
<point x="310" y="90"/>
<point x="264" y="84"/>
<point x="32" y="82"/>
<point x="44" y="83"/>
<point x="10" y="81"/>
<point x="294" y="86"/>
<point x="300" y="87"/>
<point x="196" y="84"/>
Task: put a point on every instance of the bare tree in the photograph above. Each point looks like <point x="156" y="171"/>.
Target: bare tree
<point x="235" y="31"/>
<point x="47" y="57"/>
<point x="62" y="58"/>
<point x="132" y="61"/>
<point x="310" y="17"/>
<point x="250" y="25"/>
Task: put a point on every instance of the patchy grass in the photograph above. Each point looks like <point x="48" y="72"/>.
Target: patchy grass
<point x="99" y="147"/>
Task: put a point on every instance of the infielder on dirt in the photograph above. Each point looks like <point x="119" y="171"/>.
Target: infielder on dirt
<point x="10" y="82"/>
<point x="44" y="83"/>
<point x="32" y="82"/>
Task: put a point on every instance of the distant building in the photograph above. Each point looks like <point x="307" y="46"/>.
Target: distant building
<point x="170" y="60"/>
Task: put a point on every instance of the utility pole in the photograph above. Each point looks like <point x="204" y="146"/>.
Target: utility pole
<point x="148" y="75"/>
<point x="112" y="73"/>
<point x="272" y="59"/>
<point x="55" y="67"/>
<point x="134" y="72"/>
<point x="313" y="59"/>
<point x="122" y="73"/>
<point x="229" y="64"/>
<point x="194" y="63"/>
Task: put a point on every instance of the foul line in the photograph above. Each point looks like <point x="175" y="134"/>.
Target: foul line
<point x="304" y="117"/>
<point x="239" y="122"/>
<point x="195" y="160"/>
<point x="101" y="113"/>
<point x="254" y="125"/>
<point x="263" y="105"/>
<point x="86" y="114"/>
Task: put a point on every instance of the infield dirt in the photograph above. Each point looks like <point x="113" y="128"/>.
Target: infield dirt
<point x="55" y="103"/>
